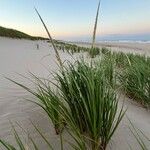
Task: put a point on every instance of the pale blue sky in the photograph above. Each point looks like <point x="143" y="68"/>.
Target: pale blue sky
<point x="75" y="18"/>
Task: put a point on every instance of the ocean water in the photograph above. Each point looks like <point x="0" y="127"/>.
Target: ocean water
<point x="140" y="38"/>
<point x="124" y="41"/>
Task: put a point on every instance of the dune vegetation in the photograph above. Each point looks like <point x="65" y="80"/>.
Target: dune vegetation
<point x="133" y="70"/>
<point x="133" y="74"/>
<point x="135" y="79"/>
<point x="11" y="33"/>
<point x="82" y="99"/>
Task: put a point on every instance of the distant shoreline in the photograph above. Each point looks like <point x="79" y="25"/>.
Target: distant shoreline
<point x="127" y="47"/>
<point x="133" y="47"/>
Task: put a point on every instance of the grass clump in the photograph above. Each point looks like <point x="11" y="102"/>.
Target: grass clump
<point x="136" y="79"/>
<point x="134" y="74"/>
<point x="120" y="59"/>
<point x="84" y="102"/>
<point x="90" y="102"/>
<point x="94" y="52"/>
<point x="105" y="51"/>
<point x="70" y="48"/>
<point x="83" y="99"/>
<point x="46" y="99"/>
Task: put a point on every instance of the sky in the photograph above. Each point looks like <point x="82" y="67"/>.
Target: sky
<point x="74" y="19"/>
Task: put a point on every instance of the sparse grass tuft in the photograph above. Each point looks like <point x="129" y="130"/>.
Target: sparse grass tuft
<point x="105" y="50"/>
<point x="142" y="140"/>
<point x="20" y="142"/>
<point x="94" y="52"/>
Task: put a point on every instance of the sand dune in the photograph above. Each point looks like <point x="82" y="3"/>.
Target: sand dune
<point x="21" y="56"/>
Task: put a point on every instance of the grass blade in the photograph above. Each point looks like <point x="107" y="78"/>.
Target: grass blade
<point x="50" y="38"/>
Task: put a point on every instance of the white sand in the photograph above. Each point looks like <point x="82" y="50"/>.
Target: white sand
<point x="21" y="56"/>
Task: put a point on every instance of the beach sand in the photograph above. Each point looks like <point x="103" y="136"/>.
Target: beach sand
<point x="22" y="56"/>
<point x="126" y="47"/>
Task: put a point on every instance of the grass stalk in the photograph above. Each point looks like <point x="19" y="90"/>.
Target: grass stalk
<point x="95" y="25"/>
<point x="51" y="40"/>
<point x="142" y="140"/>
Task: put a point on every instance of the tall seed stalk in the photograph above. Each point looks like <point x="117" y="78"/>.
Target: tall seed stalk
<point x="51" y="39"/>
<point x="95" y="25"/>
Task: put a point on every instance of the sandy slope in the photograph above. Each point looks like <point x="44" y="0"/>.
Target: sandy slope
<point x="21" y="56"/>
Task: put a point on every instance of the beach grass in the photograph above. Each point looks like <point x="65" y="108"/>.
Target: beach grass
<point x="94" y="52"/>
<point x="135" y="79"/>
<point x="83" y="99"/>
<point x="20" y="141"/>
<point x="142" y="140"/>
<point x="70" y="48"/>
<point x="84" y="102"/>
<point x="91" y="101"/>
<point x="133" y="74"/>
